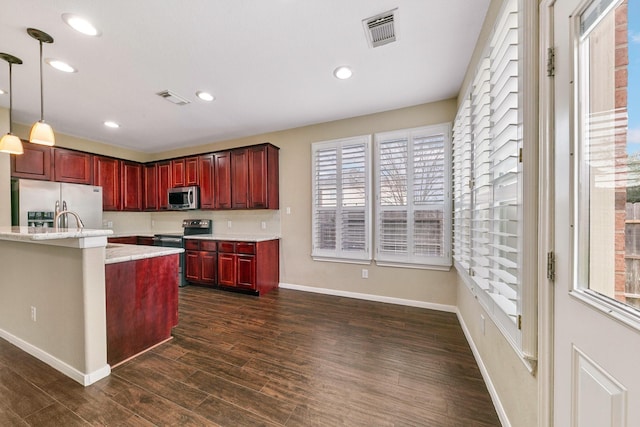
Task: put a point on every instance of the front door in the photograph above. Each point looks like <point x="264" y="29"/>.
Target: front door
<point x="597" y="212"/>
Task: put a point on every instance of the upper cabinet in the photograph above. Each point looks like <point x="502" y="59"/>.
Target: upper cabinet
<point x="164" y="184"/>
<point x="150" y="187"/>
<point x="263" y="173"/>
<point x="35" y="163"/>
<point x="206" y="175"/>
<point x="72" y="166"/>
<point x="131" y="186"/>
<point x="222" y="180"/>
<point x="239" y="178"/>
<point x="106" y="174"/>
<point x="184" y="172"/>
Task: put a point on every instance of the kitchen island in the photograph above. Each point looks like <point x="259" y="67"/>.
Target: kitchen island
<point x="53" y="296"/>
<point x="141" y="298"/>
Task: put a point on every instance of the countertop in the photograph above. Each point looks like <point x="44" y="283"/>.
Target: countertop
<point x="40" y="234"/>
<point x="233" y="237"/>
<point x="116" y="252"/>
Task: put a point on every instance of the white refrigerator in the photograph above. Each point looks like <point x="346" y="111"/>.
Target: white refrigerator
<point x="41" y="196"/>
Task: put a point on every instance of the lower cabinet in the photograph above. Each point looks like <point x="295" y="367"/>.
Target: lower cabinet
<point x="200" y="261"/>
<point x="248" y="266"/>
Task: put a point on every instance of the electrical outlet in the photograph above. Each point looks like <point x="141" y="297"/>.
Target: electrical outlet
<point x="482" y="324"/>
<point x="365" y="273"/>
<point x="33" y="313"/>
<point x="153" y="223"/>
<point x="109" y="224"/>
<point x="263" y="225"/>
<point x="229" y="224"/>
<point x="288" y="210"/>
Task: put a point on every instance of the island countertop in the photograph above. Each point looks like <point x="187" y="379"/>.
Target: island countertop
<point x="41" y="233"/>
<point x="116" y="252"/>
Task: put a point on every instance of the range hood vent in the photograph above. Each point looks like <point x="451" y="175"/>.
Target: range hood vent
<point x="173" y="98"/>
<point x="380" y="29"/>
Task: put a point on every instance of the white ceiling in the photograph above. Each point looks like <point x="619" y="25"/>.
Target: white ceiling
<point x="268" y="62"/>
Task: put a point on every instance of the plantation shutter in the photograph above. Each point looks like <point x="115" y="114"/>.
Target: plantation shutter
<point x="412" y="181"/>
<point x="462" y="186"/>
<point x="341" y="208"/>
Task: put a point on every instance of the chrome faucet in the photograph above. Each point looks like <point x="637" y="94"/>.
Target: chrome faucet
<point x="79" y="222"/>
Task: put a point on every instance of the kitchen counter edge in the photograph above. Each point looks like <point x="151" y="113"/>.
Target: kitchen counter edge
<point x="116" y="252"/>
<point x="232" y="237"/>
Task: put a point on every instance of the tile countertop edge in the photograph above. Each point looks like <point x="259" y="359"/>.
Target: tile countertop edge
<point x="233" y="237"/>
<point x="116" y="253"/>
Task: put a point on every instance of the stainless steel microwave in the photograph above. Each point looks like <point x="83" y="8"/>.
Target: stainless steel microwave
<point x="183" y="198"/>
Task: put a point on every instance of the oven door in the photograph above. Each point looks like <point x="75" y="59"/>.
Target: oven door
<point x="173" y="242"/>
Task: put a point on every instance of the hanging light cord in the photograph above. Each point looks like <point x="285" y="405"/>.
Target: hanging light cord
<point x="41" y="87"/>
<point x="10" y="99"/>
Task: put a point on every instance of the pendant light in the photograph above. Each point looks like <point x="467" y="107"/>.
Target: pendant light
<point x="10" y="143"/>
<point x="41" y="132"/>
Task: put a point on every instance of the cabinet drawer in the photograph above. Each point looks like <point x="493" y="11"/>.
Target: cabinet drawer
<point x="227" y="247"/>
<point x="191" y="244"/>
<point x="246" y="248"/>
<point x="208" y="245"/>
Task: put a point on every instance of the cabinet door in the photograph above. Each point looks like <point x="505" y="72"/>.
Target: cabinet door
<point x="209" y="263"/>
<point x="193" y="271"/>
<point x="246" y="271"/>
<point x="106" y="174"/>
<point x="71" y="166"/>
<point x="263" y="177"/>
<point x="226" y="269"/>
<point x="131" y="186"/>
<point x="206" y="174"/>
<point x="150" y="187"/>
<point x="164" y="183"/>
<point x="145" y="241"/>
<point x="35" y="163"/>
<point x="177" y="173"/>
<point x="239" y="179"/>
<point x="222" y="180"/>
<point x="191" y="171"/>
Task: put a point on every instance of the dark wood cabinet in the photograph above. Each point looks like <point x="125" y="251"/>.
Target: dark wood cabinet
<point x="206" y="174"/>
<point x="184" y="172"/>
<point x="35" y="163"/>
<point x="145" y="241"/>
<point x="263" y="175"/>
<point x="126" y="240"/>
<point x="150" y="187"/>
<point x="191" y="171"/>
<point x="72" y="166"/>
<point x="106" y="174"/>
<point x="131" y="186"/>
<point x="201" y="261"/>
<point x="164" y="183"/>
<point x="249" y="266"/>
<point x="240" y="178"/>
<point x="222" y="180"/>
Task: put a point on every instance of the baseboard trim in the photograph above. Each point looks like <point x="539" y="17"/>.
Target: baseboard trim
<point x="371" y="297"/>
<point x="55" y="363"/>
<point x="495" y="398"/>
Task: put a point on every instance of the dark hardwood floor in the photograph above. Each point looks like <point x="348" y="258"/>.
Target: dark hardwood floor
<point x="287" y="358"/>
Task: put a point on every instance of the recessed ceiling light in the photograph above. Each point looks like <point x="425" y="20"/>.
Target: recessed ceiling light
<point x="60" y="65"/>
<point x="80" y="24"/>
<point x="205" y="96"/>
<point x="111" y="124"/>
<point x="343" y="72"/>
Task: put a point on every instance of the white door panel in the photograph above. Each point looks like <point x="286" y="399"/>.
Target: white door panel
<point x="596" y="327"/>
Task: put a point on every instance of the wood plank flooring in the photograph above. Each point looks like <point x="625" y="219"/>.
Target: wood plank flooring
<point x="287" y="358"/>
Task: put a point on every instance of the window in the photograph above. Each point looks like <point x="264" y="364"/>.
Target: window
<point x="341" y="208"/>
<point x="489" y="181"/>
<point x="413" y="197"/>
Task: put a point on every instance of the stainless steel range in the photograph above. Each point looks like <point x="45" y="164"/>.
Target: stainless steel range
<point x="190" y="227"/>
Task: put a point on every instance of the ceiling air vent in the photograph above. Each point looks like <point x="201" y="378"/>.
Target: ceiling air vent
<point x="173" y="98"/>
<point x="380" y="29"/>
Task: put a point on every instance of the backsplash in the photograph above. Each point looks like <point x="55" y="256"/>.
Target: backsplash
<point x="251" y="222"/>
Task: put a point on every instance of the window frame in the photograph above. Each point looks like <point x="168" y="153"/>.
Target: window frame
<point x="410" y="259"/>
<point x="338" y="254"/>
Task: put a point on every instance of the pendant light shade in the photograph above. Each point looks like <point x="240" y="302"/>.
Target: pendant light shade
<point x="41" y="132"/>
<point x="10" y="143"/>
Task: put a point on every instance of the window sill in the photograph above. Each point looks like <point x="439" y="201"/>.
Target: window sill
<point x="342" y="260"/>
<point x="382" y="263"/>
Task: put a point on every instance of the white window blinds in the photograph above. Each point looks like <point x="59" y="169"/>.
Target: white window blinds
<point x="488" y="123"/>
<point x="412" y="191"/>
<point x="341" y="209"/>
